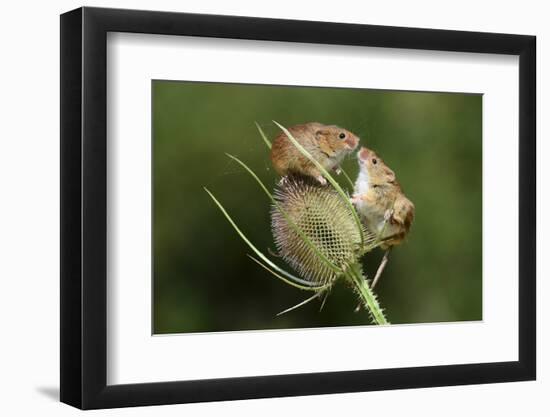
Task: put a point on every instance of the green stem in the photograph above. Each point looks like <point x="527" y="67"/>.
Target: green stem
<point x="355" y="275"/>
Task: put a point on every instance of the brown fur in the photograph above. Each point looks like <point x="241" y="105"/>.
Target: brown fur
<point x="384" y="195"/>
<point x="321" y="141"/>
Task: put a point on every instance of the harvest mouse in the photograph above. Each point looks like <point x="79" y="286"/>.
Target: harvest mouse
<point x="327" y="144"/>
<point x="380" y="201"/>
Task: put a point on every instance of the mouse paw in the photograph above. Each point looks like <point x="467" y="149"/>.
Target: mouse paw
<point x="337" y="171"/>
<point x="322" y="180"/>
<point x="355" y="198"/>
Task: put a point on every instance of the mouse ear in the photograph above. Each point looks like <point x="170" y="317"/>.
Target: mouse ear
<point x="391" y="175"/>
<point x="321" y="134"/>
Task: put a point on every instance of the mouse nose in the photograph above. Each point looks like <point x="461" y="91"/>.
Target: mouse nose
<point x="352" y="141"/>
<point x="363" y="153"/>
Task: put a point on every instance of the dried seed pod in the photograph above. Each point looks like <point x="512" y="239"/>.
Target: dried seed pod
<point x="324" y="218"/>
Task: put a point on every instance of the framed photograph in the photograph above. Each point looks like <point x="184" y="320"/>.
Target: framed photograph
<point x="258" y="208"/>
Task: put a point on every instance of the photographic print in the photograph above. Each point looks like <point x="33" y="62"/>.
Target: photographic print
<point x="281" y="207"/>
<point x="269" y="209"/>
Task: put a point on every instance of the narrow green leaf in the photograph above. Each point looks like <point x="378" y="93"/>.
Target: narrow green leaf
<point x="264" y="137"/>
<point x="294" y="284"/>
<point x="350" y="182"/>
<point x="256" y="251"/>
<point x="299" y="304"/>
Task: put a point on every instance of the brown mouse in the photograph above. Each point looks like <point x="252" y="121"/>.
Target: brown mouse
<point x="328" y="144"/>
<point x="379" y="199"/>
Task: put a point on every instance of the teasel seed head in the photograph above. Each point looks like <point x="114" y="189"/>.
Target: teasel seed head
<point x="324" y="218"/>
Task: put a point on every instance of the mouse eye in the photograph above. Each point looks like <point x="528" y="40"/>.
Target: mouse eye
<point x="374" y="161"/>
<point x="342" y="135"/>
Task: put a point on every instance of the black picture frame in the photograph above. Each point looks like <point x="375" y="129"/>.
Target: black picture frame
<point x="84" y="207"/>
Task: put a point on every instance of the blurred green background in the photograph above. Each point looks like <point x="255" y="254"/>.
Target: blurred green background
<point x="203" y="280"/>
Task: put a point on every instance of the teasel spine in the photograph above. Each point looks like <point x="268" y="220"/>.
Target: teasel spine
<point x="354" y="274"/>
